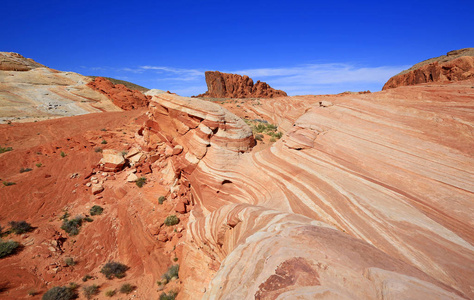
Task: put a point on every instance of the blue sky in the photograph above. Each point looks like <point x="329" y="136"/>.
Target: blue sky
<point x="302" y="47"/>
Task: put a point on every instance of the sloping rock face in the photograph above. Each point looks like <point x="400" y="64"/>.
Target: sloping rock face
<point x="455" y="65"/>
<point x="120" y="95"/>
<point x="30" y="92"/>
<point x="362" y="198"/>
<point x="10" y="61"/>
<point x="224" y="85"/>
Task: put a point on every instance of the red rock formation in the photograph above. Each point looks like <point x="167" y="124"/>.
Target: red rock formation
<point x="456" y="65"/>
<point x="223" y="85"/>
<point x="10" y="61"/>
<point x="120" y="95"/>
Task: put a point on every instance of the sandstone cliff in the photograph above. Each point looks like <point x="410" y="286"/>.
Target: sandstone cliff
<point x="224" y="85"/>
<point x="455" y="65"/>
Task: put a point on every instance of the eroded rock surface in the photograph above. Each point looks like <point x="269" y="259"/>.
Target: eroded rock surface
<point x="30" y="92"/>
<point x="379" y="172"/>
<point x="10" y="61"/>
<point x="120" y="95"/>
<point x="224" y="85"/>
<point x="455" y="65"/>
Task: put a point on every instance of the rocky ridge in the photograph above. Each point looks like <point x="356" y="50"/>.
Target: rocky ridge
<point x="120" y="95"/>
<point x="455" y="65"/>
<point x="224" y="85"/>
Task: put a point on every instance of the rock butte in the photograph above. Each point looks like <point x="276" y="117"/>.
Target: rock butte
<point x="366" y="196"/>
<point x="224" y="85"/>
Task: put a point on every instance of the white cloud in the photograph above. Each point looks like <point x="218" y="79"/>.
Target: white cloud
<point x="295" y="80"/>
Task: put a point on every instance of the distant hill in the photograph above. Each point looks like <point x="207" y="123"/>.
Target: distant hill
<point x="129" y="85"/>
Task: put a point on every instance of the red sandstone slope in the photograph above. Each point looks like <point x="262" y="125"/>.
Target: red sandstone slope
<point x="224" y="85"/>
<point x="456" y="65"/>
<point x="120" y="95"/>
<point x="129" y="230"/>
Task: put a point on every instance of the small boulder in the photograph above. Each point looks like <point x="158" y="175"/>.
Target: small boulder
<point x="97" y="188"/>
<point x="132" y="177"/>
<point x="180" y="208"/>
<point x="112" y="160"/>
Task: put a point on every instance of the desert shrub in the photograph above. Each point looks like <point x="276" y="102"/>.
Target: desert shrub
<point x="39" y="165"/>
<point x="140" y="181"/>
<point x="168" y="296"/>
<point x="8" y="183"/>
<point x="23" y="170"/>
<point x="73" y="286"/>
<point x="96" y="210"/>
<point x="259" y="137"/>
<point x="59" y="293"/>
<point x="90" y="291"/>
<point x="72" y="226"/>
<point x="273" y="140"/>
<point x="63" y="154"/>
<point x="98" y="149"/>
<point x="171" y="273"/>
<point x="103" y="142"/>
<point x="126" y="288"/>
<point x="3" y="150"/>
<point x="171" y="220"/>
<point x="103" y="129"/>
<point x="70" y="261"/>
<point x="8" y="248"/>
<point x="86" y="277"/>
<point x="65" y="216"/>
<point x="20" y="227"/>
<point x="161" y="199"/>
<point x="175" y="259"/>
<point x="114" y="269"/>
<point x="110" y="293"/>
<point x="88" y="219"/>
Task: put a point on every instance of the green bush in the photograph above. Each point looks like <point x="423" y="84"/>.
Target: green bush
<point x="140" y="181"/>
<point x="110" y="293"/>
<point x="63" y="154"/>
<point x="59" y="293"/>
<point x="171" y="273"/>
<point x="103" y="142"/>
<point x="171" y="220"/>
<point x="170" y="296"/>
<point x="72" y="226"/>
<point x="86" y="277"/>
<point x="70" y="261"/>
<point x="98" y="150"/>
<point x="259" y="137"/>
<point x="20" y="227"/>
<point x="39" y="165"/>
<point x="96" y="210"/>
<point x="90" y="291"/>
<point x="7" y="183"/>
<point x="23" y="170"/>
<point x="161" y="199"/>
<point x="273" y="140"/>
<point x="8" y="248"/>
<point x="114" y="269"/>
<point x="3" y="150"/>
<point x="126" y="288"/>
